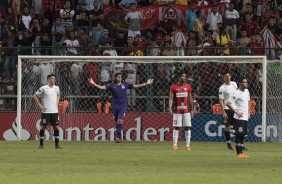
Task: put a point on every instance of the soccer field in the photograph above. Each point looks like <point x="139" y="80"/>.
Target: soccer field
<point x="138" y="162"/>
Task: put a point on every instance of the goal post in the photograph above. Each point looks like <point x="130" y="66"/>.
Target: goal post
<point x="148" y="116"/>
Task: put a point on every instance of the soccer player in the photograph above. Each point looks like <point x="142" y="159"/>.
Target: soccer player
<point x="179" y="99"/>
<point x="118" y="90"/>
<point x="225" y="92"/>
<point x="239" y="104"/>
<point x="50" y="95"/>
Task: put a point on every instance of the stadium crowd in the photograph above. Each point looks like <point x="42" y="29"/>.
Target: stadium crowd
<point x="83" y="27"/>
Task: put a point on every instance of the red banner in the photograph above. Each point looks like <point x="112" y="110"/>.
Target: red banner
<point x="153" y="15"/>
<point x="91" y="126"/>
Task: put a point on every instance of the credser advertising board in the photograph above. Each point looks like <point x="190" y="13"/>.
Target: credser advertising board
<point x="137" y="127"/>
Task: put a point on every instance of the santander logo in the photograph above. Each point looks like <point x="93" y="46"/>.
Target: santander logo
<point x="11" y="134"/>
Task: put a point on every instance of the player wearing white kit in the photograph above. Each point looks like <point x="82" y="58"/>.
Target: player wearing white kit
<point x="225" y="92"/>
<point x="50" y="95"/>
<point x="181" y="99"/>
<point x="239" y="104"/>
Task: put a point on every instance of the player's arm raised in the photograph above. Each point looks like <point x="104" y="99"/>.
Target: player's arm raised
<point x="91" y="81"/>
<point x="149" y="82"/>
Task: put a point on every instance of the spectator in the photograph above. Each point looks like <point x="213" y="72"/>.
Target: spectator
<point x="160" y="34"/>
<point x="10" y="58"/>
<point x="168" y="49"/>
<point x="223" y="42"/>
<point x="198" y="27"/>
<point x="191" y="17"/>
<point x="266" y="15"/>
<point x="83" y="38"/>
<point x="120" y="42"/>
<point x="25" y="20"/>
<point x="135" y="51"/>
<point x="249" y="25"/>
<point x="67" y="15"/>
<point x="257" y="46"/>
<point x="170" y="18"/>
<point x="272" y="4"/>
<point x="25" y="42"/>
<point x="270" y="34"/>
<point x="106" y="40"/>
<point x="247" y="10"/>
<point x="154" y="49"/>
<point x="34" y="15"/>
<point x="72" y="43"/>
<point x="134" y="21"/>
<point x="131" y="71"/>
<point x="178" y="40"/>
<point x="46" y="37"/>
<point x="243" y="43"/>
<point x="97" y="34"/>
<point x="231" y="21"/>
<point x="124" y="4"/>
<point x="11" y="19"/>
<point x="58" y="32"/>
<point x="96" y="16"/>
<point x="213" y="18"/>
<point x="90" y="6"/>
<point x="126" y="51"/>
<point x="76" y="74"/>
<point x="141" y="43"/>
<point x="82" y="18"/>
<point x="192" y="44"/>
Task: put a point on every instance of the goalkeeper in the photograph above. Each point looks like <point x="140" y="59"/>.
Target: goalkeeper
<point x="118" y="90"/>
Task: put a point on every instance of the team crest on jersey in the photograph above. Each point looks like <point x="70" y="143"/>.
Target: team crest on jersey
<point x="185" y="89"/>
<point x="240" y="129"/>
<point x="220" y="93"/>
<point x="234" y="97"/>
<point x="122" y="86"/>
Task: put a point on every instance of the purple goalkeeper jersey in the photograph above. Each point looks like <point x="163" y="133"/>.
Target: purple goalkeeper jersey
<point x="119" y="93"/>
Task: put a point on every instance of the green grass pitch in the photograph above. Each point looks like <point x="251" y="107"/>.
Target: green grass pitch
<point x="138" y="162"/>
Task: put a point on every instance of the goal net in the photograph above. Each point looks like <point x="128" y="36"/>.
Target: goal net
<point x="85" y="111"/>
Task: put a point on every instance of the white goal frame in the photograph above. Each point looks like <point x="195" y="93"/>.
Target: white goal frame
<point x="140" y="59"/>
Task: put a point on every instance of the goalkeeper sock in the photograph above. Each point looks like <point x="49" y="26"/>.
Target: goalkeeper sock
<point x="56" y="135"/>
<point x="41" y="139"/>
<point x="188" y="137"/>
<point x="119" y="129"/>
<point x="175" y="137"/>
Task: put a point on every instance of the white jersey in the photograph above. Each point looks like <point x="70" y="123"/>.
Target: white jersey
<point x="49" y="98"/>
<point x="131" y="69"/>
<point x="225" y="92"/>
<point x="240" y="101"/>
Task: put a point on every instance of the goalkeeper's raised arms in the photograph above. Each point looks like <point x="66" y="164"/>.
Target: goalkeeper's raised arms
<point x="150" y="81"/>
<point x="91" y="81"/>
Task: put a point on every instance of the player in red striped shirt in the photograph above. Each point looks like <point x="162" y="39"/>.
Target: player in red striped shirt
<point x="181" y="105"/>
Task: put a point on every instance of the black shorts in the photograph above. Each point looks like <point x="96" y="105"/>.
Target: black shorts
<point x="240" y="127"/>
<point x="49" y="119"/>
<point x="230" y="120"/>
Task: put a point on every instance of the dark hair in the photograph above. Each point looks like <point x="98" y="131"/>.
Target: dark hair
<point x="226" y="72"/>
<point x="240" y="79"/>
<point x="180" y="73"/>
<point x="118" y="74"/>
<point x="51" y="75"/>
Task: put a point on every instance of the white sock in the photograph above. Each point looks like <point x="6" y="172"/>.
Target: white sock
<point x="175" y="137"/>
<point x="188" y="137"/>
